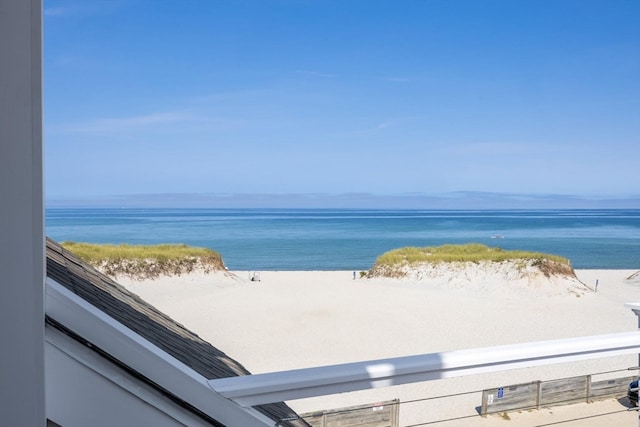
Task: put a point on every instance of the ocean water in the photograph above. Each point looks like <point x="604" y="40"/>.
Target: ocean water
<point x="348" y="239"/>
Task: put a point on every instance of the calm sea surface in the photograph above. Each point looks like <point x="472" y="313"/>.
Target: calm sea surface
<point x="346" y="239"/>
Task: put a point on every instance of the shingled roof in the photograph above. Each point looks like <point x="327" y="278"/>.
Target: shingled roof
<point x="150" y="323"/>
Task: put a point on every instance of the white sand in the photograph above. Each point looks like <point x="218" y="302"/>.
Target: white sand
<point x="293" y="319"/>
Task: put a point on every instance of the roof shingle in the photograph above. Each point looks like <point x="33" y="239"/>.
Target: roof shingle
<point x="147" y="321"/>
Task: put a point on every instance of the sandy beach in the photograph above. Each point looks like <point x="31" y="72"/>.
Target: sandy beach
<point x="297" y="319"/>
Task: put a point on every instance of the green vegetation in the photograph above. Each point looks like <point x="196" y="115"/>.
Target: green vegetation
<point x="390" y="263"/>
<point x="505" y="416"/>
<point x="472" y="252"/>
<point x="146" y="261"/>
<point x="92" y="253"/>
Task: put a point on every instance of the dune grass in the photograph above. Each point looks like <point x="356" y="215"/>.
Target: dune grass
<point x="146" y="261"/>
<point x="394" y="263"/>
<point x="91" y="252"/>
<point x="472" y="252"/>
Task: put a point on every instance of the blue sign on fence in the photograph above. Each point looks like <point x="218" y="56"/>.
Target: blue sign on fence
<point x="500" y="393"/>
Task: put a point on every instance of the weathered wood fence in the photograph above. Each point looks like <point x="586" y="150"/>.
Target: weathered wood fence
<point x="537" y="394"/>
<point x="383" y="414"/>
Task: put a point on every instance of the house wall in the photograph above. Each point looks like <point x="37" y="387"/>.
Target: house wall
<point x="84" y="389"/>
<point x="21" y="215"/>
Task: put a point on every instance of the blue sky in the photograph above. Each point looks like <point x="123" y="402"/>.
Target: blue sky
<point x="342" y="96"/>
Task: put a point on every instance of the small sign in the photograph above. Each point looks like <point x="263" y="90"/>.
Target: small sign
<point x="490" y="399"/>
<point x="500" y="393"/>
<point x="378" y="406"/>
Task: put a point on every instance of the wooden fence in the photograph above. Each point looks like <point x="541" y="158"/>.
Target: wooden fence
<point x="383" y="414"/>
<point x="537" y="394"/>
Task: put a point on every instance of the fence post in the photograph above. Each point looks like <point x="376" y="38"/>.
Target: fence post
<point x="539" y="394"/>
<point x="635" y="307"/>
<point x="588" y="388"/>
<point x="395" y="414"/>
<point x="483" y="408"/>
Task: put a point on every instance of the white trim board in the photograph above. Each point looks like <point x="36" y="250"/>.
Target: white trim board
<point x="310" y="382"/>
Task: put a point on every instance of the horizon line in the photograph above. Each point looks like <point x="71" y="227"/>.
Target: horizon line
<point x="356" y="200"/>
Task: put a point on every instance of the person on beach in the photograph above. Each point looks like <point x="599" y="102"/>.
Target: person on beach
<point x="354" y="275"/>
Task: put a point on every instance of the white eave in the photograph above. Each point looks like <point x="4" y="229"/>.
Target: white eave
<point x="137" y="353"/>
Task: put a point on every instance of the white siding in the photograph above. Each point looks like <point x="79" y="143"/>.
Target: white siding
<point x="84" y="389"/>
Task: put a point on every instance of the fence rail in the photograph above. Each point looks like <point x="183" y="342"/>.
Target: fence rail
<point x="383" y="414"/>
<point x="537" y="394"/>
